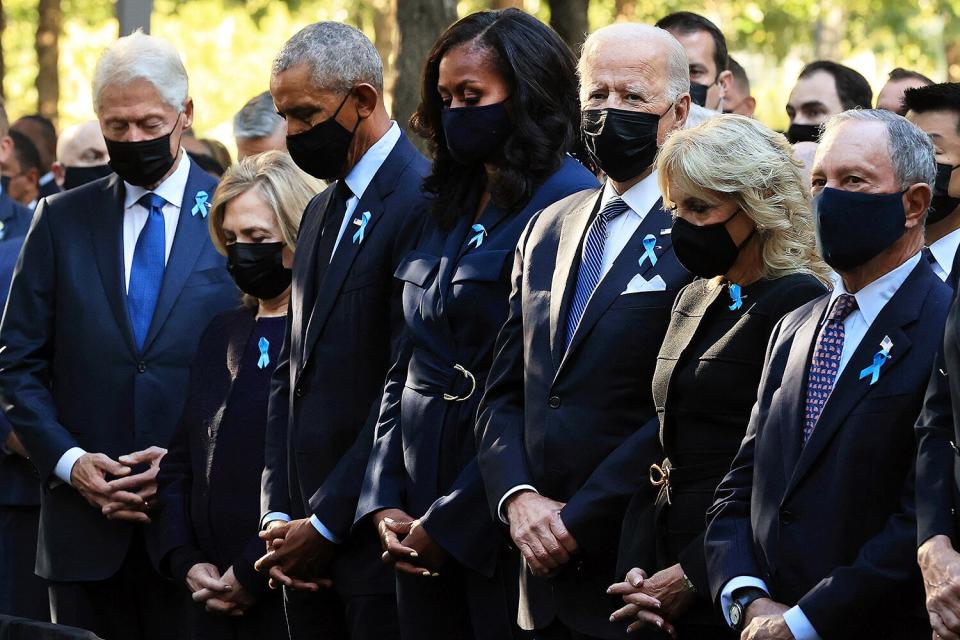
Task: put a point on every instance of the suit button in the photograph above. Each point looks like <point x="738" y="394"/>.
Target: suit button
<point x="554" y="402"/>
<point x="141" y="366"/>
<point x="298" y="392"/>
<point x="787" y="517"/>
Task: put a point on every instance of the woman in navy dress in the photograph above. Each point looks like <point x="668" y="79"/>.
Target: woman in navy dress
<point x="500" y="111"/>
<point x="206" y="529"/>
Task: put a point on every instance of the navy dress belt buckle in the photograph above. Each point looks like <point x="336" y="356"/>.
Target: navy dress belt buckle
<point x="473" y="385"/>
<point x="660" y="478"/>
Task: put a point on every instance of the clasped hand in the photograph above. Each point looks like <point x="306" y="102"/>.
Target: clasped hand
<point x="407" y="545"/>
<point x="296" y="555"/>
<point x="127" y="497"/>
<point x="539" y="533"/>
<point x="220" y="594"/>
<point x="653" y="601"/>
<point x="940" y="566"/>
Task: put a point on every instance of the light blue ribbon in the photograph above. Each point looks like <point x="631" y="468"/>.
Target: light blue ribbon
<point x="362" y="222"/>
<point x="477" y="239"/>
<point x="874" y="369"/>
<point x="264" y="345"/>
<point x="649" y="242"/>
<point x="201" y="206"/>
<point x="736" y="296"/>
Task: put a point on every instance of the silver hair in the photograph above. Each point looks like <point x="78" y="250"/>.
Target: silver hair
<point x="340" y="56"/>
<point x="910" y="149"/>
<point x="142" y="57"/>
<point x="257" y="119"/>
<point x="678" y="69"/>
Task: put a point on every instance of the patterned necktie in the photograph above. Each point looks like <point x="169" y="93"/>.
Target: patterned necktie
<point x="826" y="361"/>
<point x="929" y="256"/>
<point x="332" y="221"/>
<point x="591" y="266"/>
<point x="146" y="272"/>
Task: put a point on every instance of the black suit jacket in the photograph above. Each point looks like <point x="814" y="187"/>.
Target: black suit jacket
<point x="831" y="525"/>
<point x="70" y="372"/>
<point x="569" y="422"/>
<point x="342" y="336"/>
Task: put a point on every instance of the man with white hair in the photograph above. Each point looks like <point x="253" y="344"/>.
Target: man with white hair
<point x="82" y="156"/>
<point x="568" y="417"/>
<point x="258" y="128"/>
<point x="813" y="532"/>
<point x="115" y="283"/>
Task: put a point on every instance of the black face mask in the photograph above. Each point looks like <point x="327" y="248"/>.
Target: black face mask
<point x="707" y="250"/>
<point x="142" y="163"/>
<point x="623" y="143"/>
<point x="853" y="228"/>
<point x="258" y="269"/>
<point x="942" y="204"/>
<point x="476" y="134"/>
<point x="803" y="133"/>
<point x="74" y="177"/>
<point x="698" y="93"/>
<point x="322" y="150"/>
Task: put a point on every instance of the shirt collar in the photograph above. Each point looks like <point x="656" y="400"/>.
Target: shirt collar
<point x="362" y="173"/>
<point x="171" y="189"/>
<point x="46" y="179"/>
<point x="640" y="197"/>
<point x="873" y="297"/>
<point x="945" y="249"/>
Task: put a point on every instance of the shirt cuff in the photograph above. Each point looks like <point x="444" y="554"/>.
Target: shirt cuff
<point x="274" y="515"/>
<point x="322" y="530"/>
<point x="800" y="625"/>
<point x="65" y="465"/>
<point x="516" y="489"/>
<point x="726" y="594"/>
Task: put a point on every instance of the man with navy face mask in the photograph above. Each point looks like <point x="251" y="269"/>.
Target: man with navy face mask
<point x="830" y="449"/>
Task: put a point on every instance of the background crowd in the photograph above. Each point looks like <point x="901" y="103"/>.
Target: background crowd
<point x="612" y="359"/>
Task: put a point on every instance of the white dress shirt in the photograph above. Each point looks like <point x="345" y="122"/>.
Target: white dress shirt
<point x="870" y="302"/>
<point x="134" y="219"/>
<point x="640" y="198"/>
<point x="944" y="250"/>
<point x="359" y="178"/>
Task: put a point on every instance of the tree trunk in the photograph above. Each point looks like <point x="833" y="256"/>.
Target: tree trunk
<point x="569" y="19"/>
<point x="384" y="39"/>
<point x="3" y="68"/>
<point x="49" y="26"/>
<point x="419" y="22"/>
<point x="506" y="4"/>
<point x="829" y="32"/>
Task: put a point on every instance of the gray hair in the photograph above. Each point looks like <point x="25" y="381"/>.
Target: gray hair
<point x="678" y="69"/>
<point x="910" y="149"/>
<point x="340" y="56"/>
<point x="142" y="57"/>
<point x="257" y="119"/>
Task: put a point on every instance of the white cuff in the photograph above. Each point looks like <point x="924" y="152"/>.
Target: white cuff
<point x="516" y="489"/>
<point x="274" y="515"/>
<point x="726" y="594"/>
<point x="322" y="530"/>
<point x="65" y="465"/>
<point x="800" y="625"/>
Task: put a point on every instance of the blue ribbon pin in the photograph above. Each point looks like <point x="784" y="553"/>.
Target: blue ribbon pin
<point x="362" y="223"/>
<point x="201" y="205"/>
<point x="879" y="358"/>
<point x="477" y="240"/>
<point x="649" y="242"/>
<point x="736" y="296"/>
<point x="264" y="345"/>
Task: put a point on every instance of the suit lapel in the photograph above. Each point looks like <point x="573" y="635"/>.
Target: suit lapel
<point x="304" y="287"/>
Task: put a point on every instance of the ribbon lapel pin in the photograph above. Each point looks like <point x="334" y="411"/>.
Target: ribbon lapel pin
<point x="649" y="243"/>
<point x="477" y="240"/>
<point x="879" y="359"/>
<point x="361" y="222"/>
<point x="264" y="346"/>
<point x="201" y="205"/>
<point x="736" y="296"/>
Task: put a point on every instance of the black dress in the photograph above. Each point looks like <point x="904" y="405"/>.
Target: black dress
<point x="209" y="482"/>
<point x="704" y="387"/>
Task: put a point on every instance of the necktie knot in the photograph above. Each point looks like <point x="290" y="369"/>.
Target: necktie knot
<point x="844" y="306"/>
<point x="613" y="209"/>
<point x="151" y="201"/>
<point x="342" y="191"/>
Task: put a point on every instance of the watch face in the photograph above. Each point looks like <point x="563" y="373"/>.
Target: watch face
<point x="735" y="615"/>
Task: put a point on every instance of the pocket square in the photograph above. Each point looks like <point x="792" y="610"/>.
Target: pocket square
<point x="639" y="285"/>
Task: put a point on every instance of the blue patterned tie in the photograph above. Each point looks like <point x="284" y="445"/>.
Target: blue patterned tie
<point x="826" y="361"/>
<point x="146" y="272"/>
<point x="591" y="266"/>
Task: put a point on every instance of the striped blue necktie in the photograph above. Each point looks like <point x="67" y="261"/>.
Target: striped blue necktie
<point x="146" y="272"/>
<point x="591" y="265"/>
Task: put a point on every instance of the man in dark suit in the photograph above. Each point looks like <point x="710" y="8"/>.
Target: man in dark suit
<point x="115" y="282"/>
<point x="813" y="533"/>
<point x="343" y="331"/>
<point x="594" y="278"/>
<point x="43" y="134"/>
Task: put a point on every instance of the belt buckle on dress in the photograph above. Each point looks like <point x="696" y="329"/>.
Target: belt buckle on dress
<point x="660" y="477"/>
<point x="473" y="385"/>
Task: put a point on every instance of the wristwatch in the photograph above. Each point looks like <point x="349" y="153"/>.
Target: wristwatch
<point x="743" y="598"/>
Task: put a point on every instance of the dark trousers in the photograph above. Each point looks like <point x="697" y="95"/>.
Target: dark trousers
<point x="327" y="615"/>
<point x="262" y="621"/>
<point x="22" y="593"/>
<point x="133" y="604"/>
<point x="559" y="631"/>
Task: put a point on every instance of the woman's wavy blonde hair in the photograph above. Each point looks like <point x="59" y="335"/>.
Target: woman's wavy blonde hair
<point x="740" y="158"/>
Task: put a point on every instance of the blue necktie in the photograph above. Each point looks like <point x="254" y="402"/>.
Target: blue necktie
<point x="591" y="266"/>
<point x="146" y="272"/>
<point x="822" y="375"/>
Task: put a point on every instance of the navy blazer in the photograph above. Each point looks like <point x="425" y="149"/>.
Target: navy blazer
<point x="455" y="301"/>
<point x="70" y="372"/>
<point x="830" y="525"/>
<point x="569" y="422"/>
<point x="342" y="335"/>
